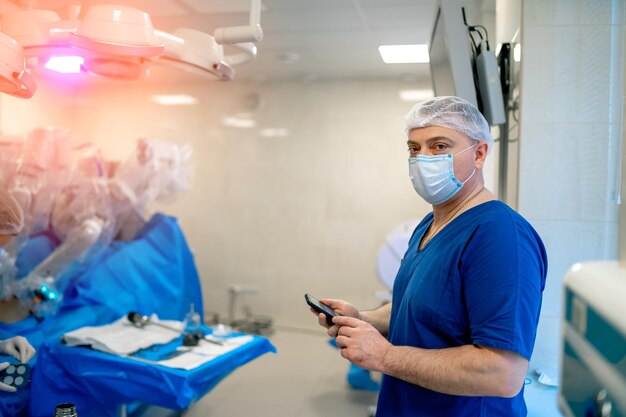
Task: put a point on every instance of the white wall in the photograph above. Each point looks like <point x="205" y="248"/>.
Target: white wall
<point x="571" y="112"/>
<point x="302" y="213"/>
<point x="622" y="211"/>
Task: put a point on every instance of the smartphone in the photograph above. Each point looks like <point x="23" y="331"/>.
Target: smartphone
<point x="321" y="308"/>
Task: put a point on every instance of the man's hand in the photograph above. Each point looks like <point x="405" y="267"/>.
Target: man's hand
<point x="342" y="307"/>
<point x="361" y="343"/>
<point x="18" y="347"/>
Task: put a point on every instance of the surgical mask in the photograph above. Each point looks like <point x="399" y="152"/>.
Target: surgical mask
<point x="433" y="176"/>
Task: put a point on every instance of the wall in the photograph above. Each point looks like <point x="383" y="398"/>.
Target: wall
<point x="622" y="210"/>
<point x="302" y="213"/>
<point x="508" y="23"/>
<point x="571" y="112"/>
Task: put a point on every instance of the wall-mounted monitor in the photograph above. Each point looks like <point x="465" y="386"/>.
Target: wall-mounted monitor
<point x="457" y="70"/>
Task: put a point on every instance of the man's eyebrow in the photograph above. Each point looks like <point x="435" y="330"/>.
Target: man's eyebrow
<point x="430" y="140"/>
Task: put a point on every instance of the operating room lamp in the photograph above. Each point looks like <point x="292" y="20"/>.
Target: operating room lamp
<point x="14" y="79"/>
<point x="117" y="42"/>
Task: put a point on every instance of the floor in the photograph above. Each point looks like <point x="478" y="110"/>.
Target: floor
<point x="306" y="378"/>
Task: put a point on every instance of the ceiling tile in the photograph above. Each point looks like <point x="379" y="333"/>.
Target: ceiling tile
<point x="312" y="21"/>
<point x="152" y="7"/>
<point x="306" y="5"/>
<point x="400" y="16"/>
<point x="218" y="6"/>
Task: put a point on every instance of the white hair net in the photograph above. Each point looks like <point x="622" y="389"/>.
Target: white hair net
<point x="453" y="113"/>
<point x="11" y="214"/>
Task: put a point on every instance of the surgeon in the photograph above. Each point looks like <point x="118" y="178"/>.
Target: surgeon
<point x="458" y="336"/>
<point x="11" y="222"/>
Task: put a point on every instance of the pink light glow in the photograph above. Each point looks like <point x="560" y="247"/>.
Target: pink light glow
<point x="65" y="64"/>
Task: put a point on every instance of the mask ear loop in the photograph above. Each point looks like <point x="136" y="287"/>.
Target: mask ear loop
<point x="469" y="147"/>
<point x="474" y="171"/>
<point x="468" y="178"/>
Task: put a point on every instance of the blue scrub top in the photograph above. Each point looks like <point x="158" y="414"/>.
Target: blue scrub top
<point x="478" y="281"/>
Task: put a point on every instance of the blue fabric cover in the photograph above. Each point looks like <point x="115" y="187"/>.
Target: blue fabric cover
<point x="95" y="381"/>
<point x="37" y="248"/>
<point x="359" y="378"/>
<point x="478" y="281"/>
<point x="155" y="273"/>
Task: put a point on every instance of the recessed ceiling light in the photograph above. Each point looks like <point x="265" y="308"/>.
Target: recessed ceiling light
<point x="274" y="132"/>
<point x="404" y="54"/>
<point x="174" y="100"/>
<point x="239" y="122"/>
<point x="416" y="95"/>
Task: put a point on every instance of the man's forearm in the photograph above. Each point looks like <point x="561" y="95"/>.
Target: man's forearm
<point x="379" y="318"/>
<point x="465" y="370"/>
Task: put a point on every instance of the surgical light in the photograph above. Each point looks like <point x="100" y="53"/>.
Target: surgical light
<point x="117" y="42"/>
<point x="14" y="79"/>
<point x="404" y="54"/>
<point x="65" y="64"/>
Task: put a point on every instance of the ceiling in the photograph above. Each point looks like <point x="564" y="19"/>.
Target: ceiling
<point x="303" y="39"/>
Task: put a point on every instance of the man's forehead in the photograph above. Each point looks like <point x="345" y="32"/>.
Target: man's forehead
<point x="436" y="132"/>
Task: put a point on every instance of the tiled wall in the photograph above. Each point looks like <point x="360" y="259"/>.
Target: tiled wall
<point x="571" y="113"/>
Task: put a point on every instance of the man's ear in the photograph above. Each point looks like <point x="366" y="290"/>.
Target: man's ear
<point x="481" y="154"/>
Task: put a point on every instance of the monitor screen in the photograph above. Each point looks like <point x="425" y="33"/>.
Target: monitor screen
<point x="450" y="54"/>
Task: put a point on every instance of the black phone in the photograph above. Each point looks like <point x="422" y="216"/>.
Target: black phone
<point x="16" y="375"/>
<point x="321" y="308"/>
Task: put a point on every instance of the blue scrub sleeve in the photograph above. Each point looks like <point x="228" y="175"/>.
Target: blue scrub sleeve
<point x="503" y="270"/>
